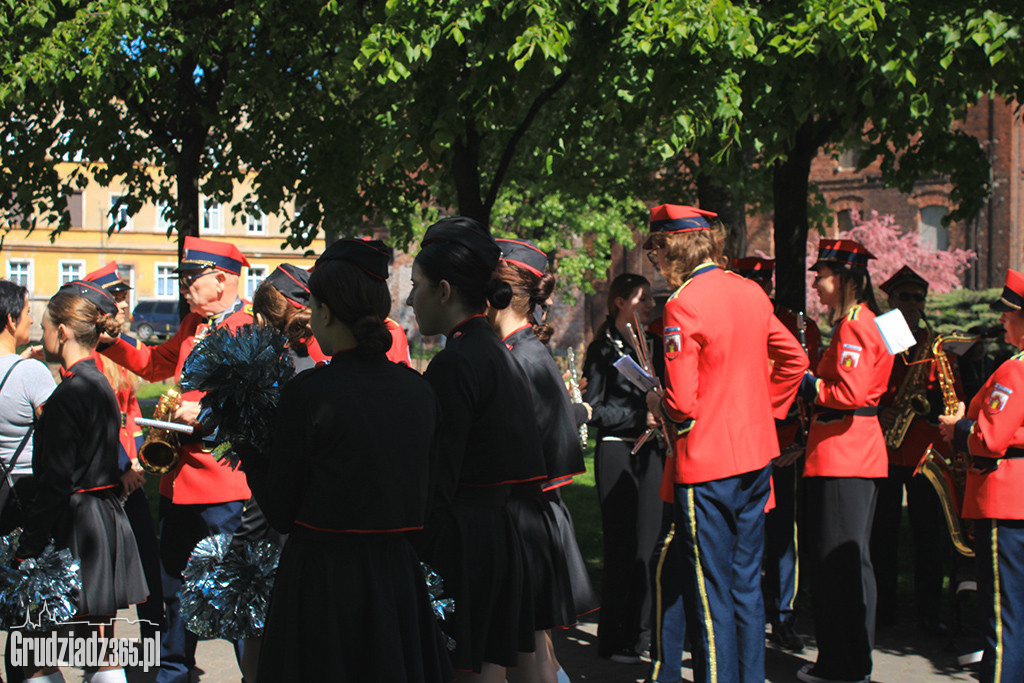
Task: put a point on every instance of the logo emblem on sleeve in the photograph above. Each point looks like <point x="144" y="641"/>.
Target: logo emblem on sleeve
<point x="850" y="356"/>
<point x="673" y="342"/>
<point x="997" y="399"/>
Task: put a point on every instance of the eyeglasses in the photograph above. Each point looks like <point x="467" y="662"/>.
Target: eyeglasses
<point x="186" y="281"/>
<point x="907" y="296"/>
<point x="652" y="256"/>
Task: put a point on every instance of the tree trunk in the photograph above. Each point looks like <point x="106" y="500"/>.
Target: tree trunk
<point x="466" y="174"/>
<point x="731" y="211"/>
<point x="790" y="183"/>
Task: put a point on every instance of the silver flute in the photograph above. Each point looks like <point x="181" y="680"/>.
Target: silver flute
<point x="574" y="392"/>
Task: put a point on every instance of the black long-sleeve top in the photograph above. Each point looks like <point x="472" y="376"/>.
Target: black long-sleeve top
<point x="563" y="455"/>
<point x="350" y="450"/>
<point x="620" y="409"/>
<point x="489" y="433"/>
<point x="75" y="449"/>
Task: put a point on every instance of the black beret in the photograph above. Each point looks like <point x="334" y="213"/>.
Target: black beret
<point x="292" y="282"/>
<point x="468" y="233"/>
<point x="94" y="293"/>
<point x="524" y="254"/>
<point x="363" y="253"/>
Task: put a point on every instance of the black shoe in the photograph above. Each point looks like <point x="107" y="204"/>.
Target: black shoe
<point x="934" y="626"/>
<point x="786" y="637"/>
<point x="625" y="656"/>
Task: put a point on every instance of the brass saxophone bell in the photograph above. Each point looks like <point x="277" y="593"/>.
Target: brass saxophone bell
<point x="159" y="453"/>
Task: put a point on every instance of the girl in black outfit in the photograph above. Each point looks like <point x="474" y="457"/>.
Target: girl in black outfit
<point x="627" y="485"/>
<point x="75" y="465"/>
<point x="489" y="444"/>
<point x="345" y="476"/>
<point x="561" y="589"/>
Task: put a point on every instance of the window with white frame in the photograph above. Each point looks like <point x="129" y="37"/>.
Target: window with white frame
<point x="163" y="223"/>
<point x="211" y="217"/>
<point x="70" y="270"/>
<point x="934" y="235"/>
<point x="256" y="224"/>
<point x="166" y="281"/>
<point x="253" y="277"/>
<point x="119" y="217"/>
<point x="19" y="271"/>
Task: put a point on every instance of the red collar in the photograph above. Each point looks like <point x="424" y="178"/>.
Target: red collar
<point x="69" y="371"/>
<point x="518" y="329"/>
<point x="452" y="331"/>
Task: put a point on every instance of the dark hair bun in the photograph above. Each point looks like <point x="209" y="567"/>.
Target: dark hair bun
<point x="372" y="335"/>
<point x="499" y="293"/>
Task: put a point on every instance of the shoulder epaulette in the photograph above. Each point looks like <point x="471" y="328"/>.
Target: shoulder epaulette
<point x="854" y="313"/>
<point x="1017" y="356"/>
<point x="247" y="308"/>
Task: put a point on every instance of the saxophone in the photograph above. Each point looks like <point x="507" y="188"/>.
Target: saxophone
<point x="159" y="453"/>
<point x="948" y="478"/>
<point x="911" y="401"/>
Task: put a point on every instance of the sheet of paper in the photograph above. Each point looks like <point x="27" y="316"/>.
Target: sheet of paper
<point x="895" y="331"/>
<point x="635" y="374"/>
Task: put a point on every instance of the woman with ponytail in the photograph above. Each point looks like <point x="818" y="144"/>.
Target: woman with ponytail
<point x="561" y="589"/>
<point x="345" y="476"/>
<point x="846" y="458"/>
<point x="75" y="464"/>
<point x="489" y="445"/>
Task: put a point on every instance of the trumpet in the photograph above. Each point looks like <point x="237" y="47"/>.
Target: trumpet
<point x="159" y="453"/>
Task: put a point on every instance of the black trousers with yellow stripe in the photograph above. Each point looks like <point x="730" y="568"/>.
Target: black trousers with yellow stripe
<point x="720" y="528"/>
<point x="999" y="552"/>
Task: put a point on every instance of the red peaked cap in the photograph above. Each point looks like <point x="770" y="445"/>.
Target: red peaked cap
<point x="842" y="253"/>
<point x="1012" y="298"/>
<point x="673" y="218"/>
<point x="903" y="276"/>
<point x="753" y="267"/>
<point x="525" y="254"/>
<point x="200" y="254"/>
<point x="108" y="278"/>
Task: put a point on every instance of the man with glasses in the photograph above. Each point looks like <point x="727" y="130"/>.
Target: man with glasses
<point x="199" y="497"/>
<point x="907" y="291"/>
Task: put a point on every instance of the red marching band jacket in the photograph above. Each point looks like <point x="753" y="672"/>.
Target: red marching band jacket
<point x="129" y="405"/>
<point x="993" y="424"/>
<point x="789" y="429"/>
<point x="731" y="369"/>
<point x="197" y="478"/>
<point x="853" y="373"/>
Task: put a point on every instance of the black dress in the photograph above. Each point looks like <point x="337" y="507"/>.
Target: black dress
<point x="77" y="501"/>
<point x="345" y="476"/>
<point x="489" y="444"/>
<point x="558" y="575"/>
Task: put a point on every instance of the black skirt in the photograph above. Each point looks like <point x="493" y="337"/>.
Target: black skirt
<point x="351" y="608"/>
<point x="474" y="547"/>
<point x="97" y="532"/>
<point x="550" y="597"/>
<point x="584" y="597"/>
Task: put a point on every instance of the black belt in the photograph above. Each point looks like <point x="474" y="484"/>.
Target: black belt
<point x="829" y="414"/>
<point x="1014" y="452"/>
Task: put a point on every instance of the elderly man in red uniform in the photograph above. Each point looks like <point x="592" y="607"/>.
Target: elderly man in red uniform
<point x="992" y="434"/>
<point x="731" y="368"/>
<point x="199" y="496"/>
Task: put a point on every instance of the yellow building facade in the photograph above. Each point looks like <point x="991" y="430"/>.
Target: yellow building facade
<point x="145" y="254"/>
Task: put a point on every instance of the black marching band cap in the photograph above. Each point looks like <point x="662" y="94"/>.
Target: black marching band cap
<point x="292" y="282"/>
<point x="753" y="267"/>
<point x="842" y="253"/>
<point x="1012" y="298"/>
<point x="468" y="233"/>
<point x="525" y="254"/>
<point x="372" y="260"/>
<point x="92" y="292"/>
<point x="108" y="278"/>
<point x="903" y="276"/>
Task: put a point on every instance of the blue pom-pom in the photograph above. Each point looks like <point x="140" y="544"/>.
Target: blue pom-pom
<point x="442" y="607"/>
<point x="242" y="373"/>
<point x="226" y="590"/>
<point x="42" y="592"/>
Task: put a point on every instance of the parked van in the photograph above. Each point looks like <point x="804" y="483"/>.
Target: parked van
<point x="153" y="318"/>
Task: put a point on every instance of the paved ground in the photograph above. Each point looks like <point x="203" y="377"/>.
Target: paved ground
<point x="902" y="655"/>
